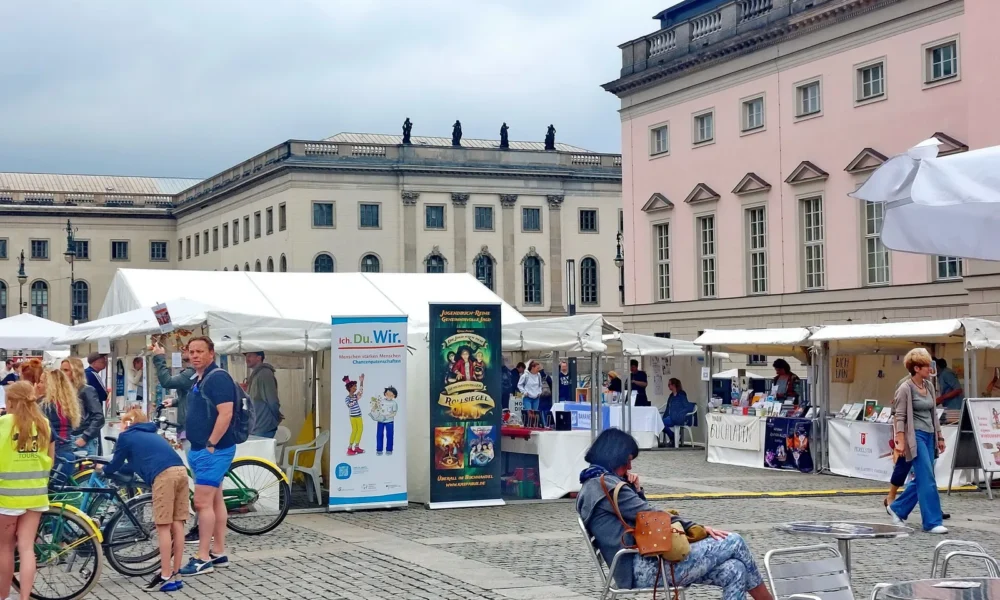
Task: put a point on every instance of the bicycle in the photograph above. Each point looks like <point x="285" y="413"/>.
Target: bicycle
<point x="67" y="553"/>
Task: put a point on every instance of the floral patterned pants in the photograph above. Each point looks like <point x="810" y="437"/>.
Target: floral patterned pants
<point x="726" y="563"/>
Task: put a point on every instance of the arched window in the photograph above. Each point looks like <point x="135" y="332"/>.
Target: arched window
<point x="532" y="273"/>
<point x="370" y="264"/>
<point x="484" y="269"/>
<point x="256" y="266"/>
<point x="323" y="263"/>
<point x="588" y="281"/>
<point x="246" y="266"/>
<point x="225" y="269"/>
<point x="270" y="265"/>
<point x="236" y="267"/>
<point x="3" y="300"/>
<point x="81" y="301"/>
<point x="283" y="264"/>
<point x="40" y="299"/>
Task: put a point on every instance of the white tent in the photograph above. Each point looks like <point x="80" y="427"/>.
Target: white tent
<point x="789" y="341"/>
<point x="926" y="195"/>
<point x="730" y="373"/>
<point x="28" y="332"/>
<point x="184" y="313"/>
<point x="900" y="337"/>
<point x="634" y="344"/>
<point x="580" y="333"/>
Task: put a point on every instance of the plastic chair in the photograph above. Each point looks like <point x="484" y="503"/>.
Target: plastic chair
<point x="679" y="429"/>
<point x="290" y="464"/>
<point x="610" y="590"/>
<point x="281" y="438"/>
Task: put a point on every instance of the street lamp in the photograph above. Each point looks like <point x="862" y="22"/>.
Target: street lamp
<point x="70" y="255"/>
<point x="571" y="287"/>
<point x="620" y="263"/>
<point x="22" y="278"/>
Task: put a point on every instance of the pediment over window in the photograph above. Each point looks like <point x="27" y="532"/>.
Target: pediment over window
<point x="949" y="145"/>
<point x="867" y="160"/>
<point x="656" y="203"/>
<point x="805" y="173"/>
<point x="751" y="183"/>
<point x="701" y="193"/>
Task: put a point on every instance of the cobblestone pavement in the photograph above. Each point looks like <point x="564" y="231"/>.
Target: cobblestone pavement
<point x="534" y="550"/>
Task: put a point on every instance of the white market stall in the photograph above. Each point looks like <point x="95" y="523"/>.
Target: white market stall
<point x="867" y="365"/>
<point x="28" y="332"/>
<point x="742" y="439"/>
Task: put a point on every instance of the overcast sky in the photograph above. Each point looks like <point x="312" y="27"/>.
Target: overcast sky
<point x="187" y="88"/>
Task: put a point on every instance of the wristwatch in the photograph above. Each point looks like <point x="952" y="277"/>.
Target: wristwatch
<point x="210" y="445"/>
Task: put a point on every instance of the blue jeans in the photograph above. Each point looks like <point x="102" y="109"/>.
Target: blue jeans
<point x="64" y="469"/>
<point x="668" y="425"/>
<point x="923" y="489"/>
<point x="726" y="563"/>
<point x="387" y="431"/>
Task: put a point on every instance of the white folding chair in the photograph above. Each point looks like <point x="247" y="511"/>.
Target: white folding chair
<point x="315" y="472"/>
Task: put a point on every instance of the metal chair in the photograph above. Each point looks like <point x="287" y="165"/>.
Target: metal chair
<point x="820" y="579"/>
<point x="971" y="548"/>
<point x="992" y="566"/>
<point x="605" y="573"/>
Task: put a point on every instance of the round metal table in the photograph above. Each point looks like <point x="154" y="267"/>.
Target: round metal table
<point x="845" y="532"/>
<point x="924" y="590"/>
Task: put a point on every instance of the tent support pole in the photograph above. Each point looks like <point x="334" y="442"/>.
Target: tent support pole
<point x="628" y="397"/>
<point x="709" y="360"/>
<point x="315" y="392"/>
<point x="595" y="398"/>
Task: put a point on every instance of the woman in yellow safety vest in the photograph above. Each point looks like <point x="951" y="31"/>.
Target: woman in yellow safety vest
<point x="26" y="454"/>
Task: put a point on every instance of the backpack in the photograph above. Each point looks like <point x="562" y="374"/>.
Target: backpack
<point x="243" y="412"/>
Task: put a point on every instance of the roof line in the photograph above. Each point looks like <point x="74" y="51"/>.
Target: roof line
<point x="98" y="175"/>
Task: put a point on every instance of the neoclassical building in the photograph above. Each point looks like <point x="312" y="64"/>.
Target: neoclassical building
<point x="746" y="124"/>
<point x="533" y="225"/>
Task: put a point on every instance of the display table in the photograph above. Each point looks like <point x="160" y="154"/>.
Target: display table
<point x="647" y="422"/>
<point x="861" y="449"/>
<point x="257" y="447"/>
<point x="560" y="458"/>
<point x="759" y="442"/>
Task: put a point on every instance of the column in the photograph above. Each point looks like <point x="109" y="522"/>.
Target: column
<point x="410" y="231"/>
<point x="556" y="266"/>
<point x="459" y="202"/>
<point x="507" y="202"/>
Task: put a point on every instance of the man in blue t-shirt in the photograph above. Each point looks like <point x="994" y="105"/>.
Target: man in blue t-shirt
<point x="565" y="383"/>
<point x="952" y="394"/>
<point x="213" y="446"/>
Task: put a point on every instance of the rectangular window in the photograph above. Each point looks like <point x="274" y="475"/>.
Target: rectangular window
<point x="531" y="219"/>
<point x="236" y="231"/>
<point x="323" y="215"/>
<point x="215" y="239"/>
<point x="756" y="360"/>
<point x="180" y="250"/>
<point x="246" y="228"/>
<point x="119" y="250"/>
<point x="204" y="240"/>
<point x="807" y="99"/>
<point x="941" y="61"/>
<point x="434" y="217"/>
<point x="812" y="239"/>
<point x="871" y="81"/>
<point x="157" y="251"/>
<point x="282" y="222"/>
<point x="706" y="246"/>
<point x="81" y="250"/>
<point x="621" y="221"/>
<point x="753" y="114"/>
<point x="661" y="236"/>
<point x="588" y="220"/>
<point x="256" y="224"/>
<point x="3" y="248"/>
<point x="662" y="334"/>
<point x="948" y="267"/>
<point x="484" y="218"/>
<point x="757" y="250"/>
<point x="197" y="245"/>
<point x="876" y="254"/>
<point x="225" y="235"/>
<point x="269" y="219"/>
<point x="659" y="142"/>
<point x="704" y="128"/>
<point x="39" y="249"/>
<point x="187" y="248"/>
<point x="369" y="217"/>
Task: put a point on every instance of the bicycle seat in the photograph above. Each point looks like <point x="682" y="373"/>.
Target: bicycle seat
<point x="108" y="438"/>
<point x="123" y="479"/>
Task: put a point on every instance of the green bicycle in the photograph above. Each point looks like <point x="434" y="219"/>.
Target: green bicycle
<point x="67" y="555"/>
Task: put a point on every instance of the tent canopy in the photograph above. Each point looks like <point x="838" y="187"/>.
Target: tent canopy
<point x="28" y="332"/>
<point x="788" y="341"/>
<point x="730" y="373"/>
<point x="580" y="333"/>
<point x="900" y="337"/>
<point x="184" y="313"/>
<point x="634" y="344"/>
<point x="959" y="193"/>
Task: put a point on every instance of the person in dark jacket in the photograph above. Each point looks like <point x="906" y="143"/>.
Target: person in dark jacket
<point x="182" y="382"/>
<point x="677" y="409"/>
<point x="88" y="434"/>
<point x="262" y="387"/>
<point x="98" y="362"/>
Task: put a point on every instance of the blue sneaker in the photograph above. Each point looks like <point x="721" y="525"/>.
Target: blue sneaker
<point x="196" y="566"/>
<point x="164" y="584"/>
<point x="219" y="561"/>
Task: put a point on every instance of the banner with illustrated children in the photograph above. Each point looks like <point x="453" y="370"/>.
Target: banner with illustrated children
<point x="786" y="444"/>
<point x="368" y="414"/>
<point x="465" y="387"/>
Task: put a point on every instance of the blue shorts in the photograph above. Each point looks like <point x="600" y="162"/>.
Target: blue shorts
<point x="210" y="468"/>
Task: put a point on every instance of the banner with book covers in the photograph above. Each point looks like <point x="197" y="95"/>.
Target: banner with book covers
<point x="787" y="444"/>
<point x="465" y="412"/>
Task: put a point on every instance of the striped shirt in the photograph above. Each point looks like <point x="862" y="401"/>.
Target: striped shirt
<point x="353" y="404"/>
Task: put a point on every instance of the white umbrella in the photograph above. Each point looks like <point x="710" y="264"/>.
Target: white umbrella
<point x="947" y="206"/>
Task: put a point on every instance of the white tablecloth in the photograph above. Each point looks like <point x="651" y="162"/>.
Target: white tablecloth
<point x="560" y="458"/>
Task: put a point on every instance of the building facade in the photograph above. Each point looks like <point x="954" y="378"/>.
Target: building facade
<point x="530" y="224"/>
<point x="746" y="124"/>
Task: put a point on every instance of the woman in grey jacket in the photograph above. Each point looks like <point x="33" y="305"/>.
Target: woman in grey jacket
<point x="719" y="558"/>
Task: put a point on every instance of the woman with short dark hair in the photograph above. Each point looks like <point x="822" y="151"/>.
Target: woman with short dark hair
<point x="717" y="558"/>
<point x="678" y="407"/>
<point x="785" y="384"/>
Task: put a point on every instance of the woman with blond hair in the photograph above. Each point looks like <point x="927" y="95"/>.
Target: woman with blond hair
<point x="25" y="459"/>
<point x="60" y="405"/>
<point x="87" y="432"/>
<point x="918" y="440"/>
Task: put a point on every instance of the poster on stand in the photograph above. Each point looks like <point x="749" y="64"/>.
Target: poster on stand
<point x="787" y="444"/>
<point x="985" y="413"/>
<point x="368" y="413"/>
<point x="465" y="413"/>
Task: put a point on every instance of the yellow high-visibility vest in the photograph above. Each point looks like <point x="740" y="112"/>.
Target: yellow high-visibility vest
<point x="24" y="476"/>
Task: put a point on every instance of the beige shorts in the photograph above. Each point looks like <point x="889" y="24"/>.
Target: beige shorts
<point x="171" y="496"/>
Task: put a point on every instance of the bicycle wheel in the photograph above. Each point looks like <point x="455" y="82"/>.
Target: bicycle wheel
<point x="67" y="555"/>
<point x="130" y="541"/>
<point x="257" y="496"/>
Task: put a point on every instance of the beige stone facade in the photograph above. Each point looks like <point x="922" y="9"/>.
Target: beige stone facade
<point x="511" y="217"/>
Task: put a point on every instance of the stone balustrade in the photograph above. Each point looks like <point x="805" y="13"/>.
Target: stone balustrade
<point x="706" y="25"/>
<point x="751" y="9"/>
<point x="662" y="41"/>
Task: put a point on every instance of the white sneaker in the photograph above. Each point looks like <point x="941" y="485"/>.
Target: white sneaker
<point x="939" y="530"/>
<point x="895" y="519"/>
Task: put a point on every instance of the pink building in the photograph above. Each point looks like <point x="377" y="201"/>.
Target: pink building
<point x="746" y="124"/>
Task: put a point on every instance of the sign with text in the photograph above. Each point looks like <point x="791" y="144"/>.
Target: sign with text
<point x="368" y="413"/>
<point x="861" y="449"/>
<point x="163" y="318"/>
<point x="843" y="368"/>
<point x="465" y="413"/>
<point x="985" y="414"/>
<point x="734" y="431"/>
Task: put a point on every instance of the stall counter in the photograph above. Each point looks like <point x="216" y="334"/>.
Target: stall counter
<point x="560" y="458"/>
<point x="647" y="422"/>
<point x="743" y="440"/>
